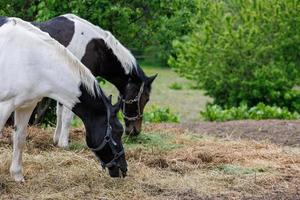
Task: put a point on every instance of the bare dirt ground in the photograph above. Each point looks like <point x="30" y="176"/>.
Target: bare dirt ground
<point x="281" y="132"/>
<point x="231" y="160"/>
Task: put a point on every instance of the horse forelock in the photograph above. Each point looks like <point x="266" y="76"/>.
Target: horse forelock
<point x="124" y="56"/>
<point x="76" y="67"/>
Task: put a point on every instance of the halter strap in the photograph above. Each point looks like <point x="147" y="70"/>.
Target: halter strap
<point x="108" y="139"/>
<point x="131" y="101"/>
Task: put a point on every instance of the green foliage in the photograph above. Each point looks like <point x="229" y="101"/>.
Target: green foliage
<point x="239" y="170"/>
<point x="156" y="115"/>
<point x="149" y="141"/>
<point x="100" y="80"/>
<point x="77" y="146"/>
<point x="120" y="116"/>
<point x="44" y="113"/>
<point x="261" y="111"/>
<point x="146" y="27"/>
<point x="175" y="86"/>
<point x="76" y="122"/>
<point x="243" y="52"/>
<point x="142" y="25"/>
<point x="49" y="119"/>
<point x="19" y="8"/>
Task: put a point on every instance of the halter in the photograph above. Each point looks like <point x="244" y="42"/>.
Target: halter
<point x="108" y="139"/>
<point x="131" y="101"/>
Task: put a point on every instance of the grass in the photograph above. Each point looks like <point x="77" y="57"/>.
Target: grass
<point x="239" y="170"/>
<point x="176" y="86"/>
<point x="187" y="102"/>
<point x="191" y="167"/>
<point x="150" y="141"/>
<point x="183" y="101"/>
<point x="77" y="146"/>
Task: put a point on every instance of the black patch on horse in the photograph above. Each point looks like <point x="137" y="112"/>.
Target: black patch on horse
<point x="3" y="20"/>
<point x="103" y="62"/>
<point x="60" y="28"/>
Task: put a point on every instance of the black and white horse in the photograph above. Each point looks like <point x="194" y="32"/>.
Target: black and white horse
<point x="33" y="65"/>
<point x="105" y="56"/>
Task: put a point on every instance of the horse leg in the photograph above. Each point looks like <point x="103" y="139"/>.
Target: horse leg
<point x="6" y="108"/>
<point x="67" y="116"/>
<point x="22" y="116"/>
<point x="59" y="110"/>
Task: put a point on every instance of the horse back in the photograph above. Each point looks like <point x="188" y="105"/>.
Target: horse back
<point x="59" y="28"/>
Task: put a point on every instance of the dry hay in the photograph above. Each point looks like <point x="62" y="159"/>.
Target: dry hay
<point x="203" y="168"/>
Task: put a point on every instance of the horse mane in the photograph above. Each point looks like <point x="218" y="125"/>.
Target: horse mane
<point x="124" y="56"/>
<point x="77" y="68"/>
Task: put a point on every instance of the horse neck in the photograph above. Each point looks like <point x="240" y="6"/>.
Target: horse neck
<point x="115" y="74"/>
<point x="93" y="111"/>
<point x="91" y="108"/>
<point x="121" y="81"/>
<point x="118" y="78"/>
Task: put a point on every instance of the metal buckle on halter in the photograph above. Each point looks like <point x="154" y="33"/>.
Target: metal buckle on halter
<point x="131" y="101"/>
<point x="132" y="118"/>
<point x="113" y="162"/>
<point x="108" y="139"/>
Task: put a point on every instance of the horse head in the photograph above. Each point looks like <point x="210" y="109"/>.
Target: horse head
<point x="136" y="97"/>
<point x="111" y="154"/>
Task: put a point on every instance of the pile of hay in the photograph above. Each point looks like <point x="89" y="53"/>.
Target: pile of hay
<point x="197" y="168"/>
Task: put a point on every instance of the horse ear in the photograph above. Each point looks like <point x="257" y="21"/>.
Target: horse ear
<point x="110" y="99"/>
<point x="117" y="106"/>
<point x="151" y="79"/>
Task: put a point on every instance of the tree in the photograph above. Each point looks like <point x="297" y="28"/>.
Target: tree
<point x="243" y="51"/>
<point x="141" y="25"/>
<point x="19" y="8"/>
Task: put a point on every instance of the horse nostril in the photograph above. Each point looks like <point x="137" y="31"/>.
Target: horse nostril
<point x="135" y="131"/>
<point x="130" y="131"/>
<point x="124" y="174"/>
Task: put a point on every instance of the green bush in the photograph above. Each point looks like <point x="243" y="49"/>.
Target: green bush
<point x="258" y="112"/>
<point x="175" y="86"/>
<point x="156" y="115"/>
<point x="140" y="25"/>
<point x="76" y="122"/>
<point x="243" y="52"/>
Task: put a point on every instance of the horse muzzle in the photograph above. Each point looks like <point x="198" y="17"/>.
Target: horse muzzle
<point x="118" y="171"/>
<point x="117" y="167"/>
<point x="132" y="131"/>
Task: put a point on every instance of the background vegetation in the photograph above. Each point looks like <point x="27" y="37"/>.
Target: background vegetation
<point x="239" y="52"/>
<point x="238" y="57"/>
<point x="243" y="51"/>
<point x="142" y="25"/>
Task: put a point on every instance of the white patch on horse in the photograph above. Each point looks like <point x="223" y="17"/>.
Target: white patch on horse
<point x="33" y="66"/>
<point x="78" y="69"/>
<point x="86" y="31"/>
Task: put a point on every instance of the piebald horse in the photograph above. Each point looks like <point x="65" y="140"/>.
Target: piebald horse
<point x="105" y="56"/>
<point x="33" y="65"/>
